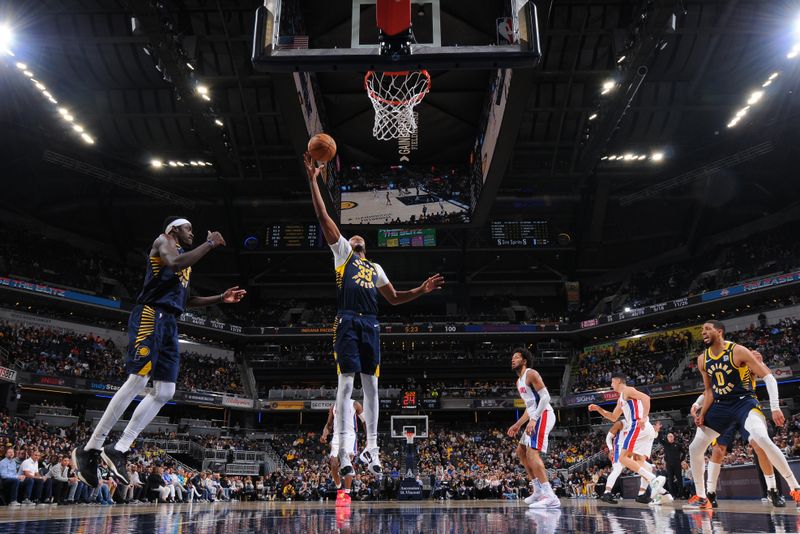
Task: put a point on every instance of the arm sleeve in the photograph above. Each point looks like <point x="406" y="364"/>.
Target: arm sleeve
<point x="382" y="278"/>
<point x="341" y="250"/>
<point x="610" y="441"/>
<point x="772" y="389"/>
<point x="699" y="401"/>
<point x="544" y="402"/>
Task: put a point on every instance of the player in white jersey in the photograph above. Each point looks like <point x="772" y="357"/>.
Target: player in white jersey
<point x="638" y="432"/>
<point x="355" y="413"/>
<point x="613" y="439"/>
<point x="540" y="420"/>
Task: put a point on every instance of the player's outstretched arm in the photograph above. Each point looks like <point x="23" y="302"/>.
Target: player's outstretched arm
<point x="394" y="297"/>
<point x="168" y="252"/>
<point x="611" y="416"/>
<point x="230" y="296"/>
<point x="329" y="228"/>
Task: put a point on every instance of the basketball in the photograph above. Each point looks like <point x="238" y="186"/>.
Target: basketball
<point x="322" y="147"/>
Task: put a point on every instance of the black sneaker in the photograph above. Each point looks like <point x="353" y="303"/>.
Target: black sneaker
<point x="643" y="498"/>
<point x="86" y="463"/>
<point x="117" y="462"/>
<point x="712" y="498"/>
<point x="607" y="497"/>
<point x="776" y="499"/>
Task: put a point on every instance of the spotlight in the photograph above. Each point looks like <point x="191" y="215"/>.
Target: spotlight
<point x="40" y="86"/>
<point x="28" y="73"/>
<point x="202" y="89"/>
<point x="173" y="164"/>
<point x="608" y="85"/>
<point x="86" y="137"/>
<point x="604" y="158"/>
<point x="621" y="59"/>
<point x="774" y="75"/>
<point x="767" y="83"/>
<point x="206" y="98"/>
<point x="628" y="157"/>
<point x="6" y="38"/>
<point x="78" y="128"/>
<point x="218" y="122"/>
<point x="68" y="117"/>
<point x="22" y="66"/>
<point x="642" y="157"/>
<point x="733" y="123"/>
<point x="156" y="163"/>
<point x="593" y="116"/>
<point x="657" y="156"/>
<point x="189" y="65"/>
<point x="755" y="97"/>
<point x="193" y="163"/>
<point x="627" y="309"/>
<point x="742" y="112"/>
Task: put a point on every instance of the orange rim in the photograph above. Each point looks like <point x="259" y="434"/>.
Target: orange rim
<point x="375" y="96"/>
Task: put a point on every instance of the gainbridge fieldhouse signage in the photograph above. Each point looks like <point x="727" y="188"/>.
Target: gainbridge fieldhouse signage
<point x="56" y="292"/>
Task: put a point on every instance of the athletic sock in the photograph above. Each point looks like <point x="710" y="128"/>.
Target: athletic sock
<point x="647" y="475"/>
<point x="770" y="479"/>
<point x="713" y="476"/>
<point x="133" y="386"/>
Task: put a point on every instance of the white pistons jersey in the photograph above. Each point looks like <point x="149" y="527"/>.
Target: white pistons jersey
<point x="632" y="410"/>
<point x="529" y="397"/>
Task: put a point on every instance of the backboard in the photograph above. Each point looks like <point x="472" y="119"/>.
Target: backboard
<point x="321" y="35"/>
<point x="403" y="423"/>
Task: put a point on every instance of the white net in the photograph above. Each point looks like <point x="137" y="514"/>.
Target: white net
<point x="394" y="95"/>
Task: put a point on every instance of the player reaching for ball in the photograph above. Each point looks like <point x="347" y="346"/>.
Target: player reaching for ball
<point x="356" y="332"/>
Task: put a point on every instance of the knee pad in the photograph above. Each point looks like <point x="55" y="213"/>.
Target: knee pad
<point x="163" y="391"/>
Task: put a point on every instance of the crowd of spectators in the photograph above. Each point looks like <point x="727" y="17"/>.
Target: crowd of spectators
<point x="57" y="352"/>
<point x="646" y="360"/>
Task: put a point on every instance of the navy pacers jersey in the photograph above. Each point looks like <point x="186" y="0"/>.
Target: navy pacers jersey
<point x="357" y="280"/>
<point x="164" y="287"/>
<point x="729" y="382"/>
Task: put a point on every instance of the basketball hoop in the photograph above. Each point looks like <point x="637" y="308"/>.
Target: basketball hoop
<point x="394" y="95"/>
<point x="410" y="437"/>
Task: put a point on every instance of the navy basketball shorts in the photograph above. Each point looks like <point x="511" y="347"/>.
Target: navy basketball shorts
<point x="728" y="417"/>
<point x="356" y="343"/>
<point x="153" y="344"/>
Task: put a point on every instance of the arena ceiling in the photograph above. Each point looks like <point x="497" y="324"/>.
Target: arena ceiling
<point x="132" y="90"/>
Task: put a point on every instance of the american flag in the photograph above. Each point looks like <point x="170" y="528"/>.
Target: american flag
<point x="293" y="41"/>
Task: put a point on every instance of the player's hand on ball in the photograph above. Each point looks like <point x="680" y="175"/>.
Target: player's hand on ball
<point x="216" y="239"/>
<point x="778" y="418"/>
<point x="233" y="295"/>
<point x="433" y="283"/>
<point x="312" y="169"/>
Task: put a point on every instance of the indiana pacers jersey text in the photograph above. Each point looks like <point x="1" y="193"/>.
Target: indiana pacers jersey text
<point x="164" y="287"/>
<point x="728" y="381"/>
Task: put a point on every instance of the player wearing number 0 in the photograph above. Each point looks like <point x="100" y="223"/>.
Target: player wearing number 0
<point x="729" y="400"/>
<point x="637" y="440"/>
<point x="153" y="345"/>
<point x="720" y="449"/>
<point x="356" y="342"/>
<point x="355" y="413"/>
<point x="540" y="420"/>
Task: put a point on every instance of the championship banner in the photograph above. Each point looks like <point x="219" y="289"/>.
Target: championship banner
<point x="9" y="375"/>
<point x="237" y="402"/>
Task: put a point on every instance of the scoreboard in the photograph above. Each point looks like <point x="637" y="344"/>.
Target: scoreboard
<point x="520" y="233"/>
<point x="293" y="236"/>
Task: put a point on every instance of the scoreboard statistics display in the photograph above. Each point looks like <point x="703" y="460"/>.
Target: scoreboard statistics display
<point x="398" y="237"/>
<point x="293" y="236"/>
<point x="520" y="233"/>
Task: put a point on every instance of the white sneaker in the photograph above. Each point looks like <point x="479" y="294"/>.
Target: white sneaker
<point x="14" y="503"/>
<point x="532" y="498"/>
<point x="345" y="465"/>
<point x="546" y="500"/>
<point x="655" y="501"/>
<point x="656" y="484"/>
<point x="372" y="458"/>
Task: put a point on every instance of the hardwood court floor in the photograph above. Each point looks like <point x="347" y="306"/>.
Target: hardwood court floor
<point x="456" y="517"/>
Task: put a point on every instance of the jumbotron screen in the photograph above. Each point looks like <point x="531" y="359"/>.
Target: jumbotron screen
<point x="401" y="238"/>
<point x="520" y="233"/>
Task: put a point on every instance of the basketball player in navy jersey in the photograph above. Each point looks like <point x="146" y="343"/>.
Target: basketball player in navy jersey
<point x="152" y="345"/>
<point x="729" y="400"/>
<point x="356" y="346"/>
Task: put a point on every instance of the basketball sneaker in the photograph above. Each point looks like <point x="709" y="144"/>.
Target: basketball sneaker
<point x="776" y="499"/>
<point x="371" y="458"/>
<point x="607" y="497"/>
<point x="643" y="499"/>
<point x="342" y="498"/>
<point x="712" y="498"/>
<point x="697" y="504"/>
<point x="117" y="461"/>
<point x="795" y="494"/>
<point x="656" y="484"/>
<point x="545" y="500"/>
<point x="345" y="465"/>
<point x="86" y="464"/>
<point x="532" y="497"/>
